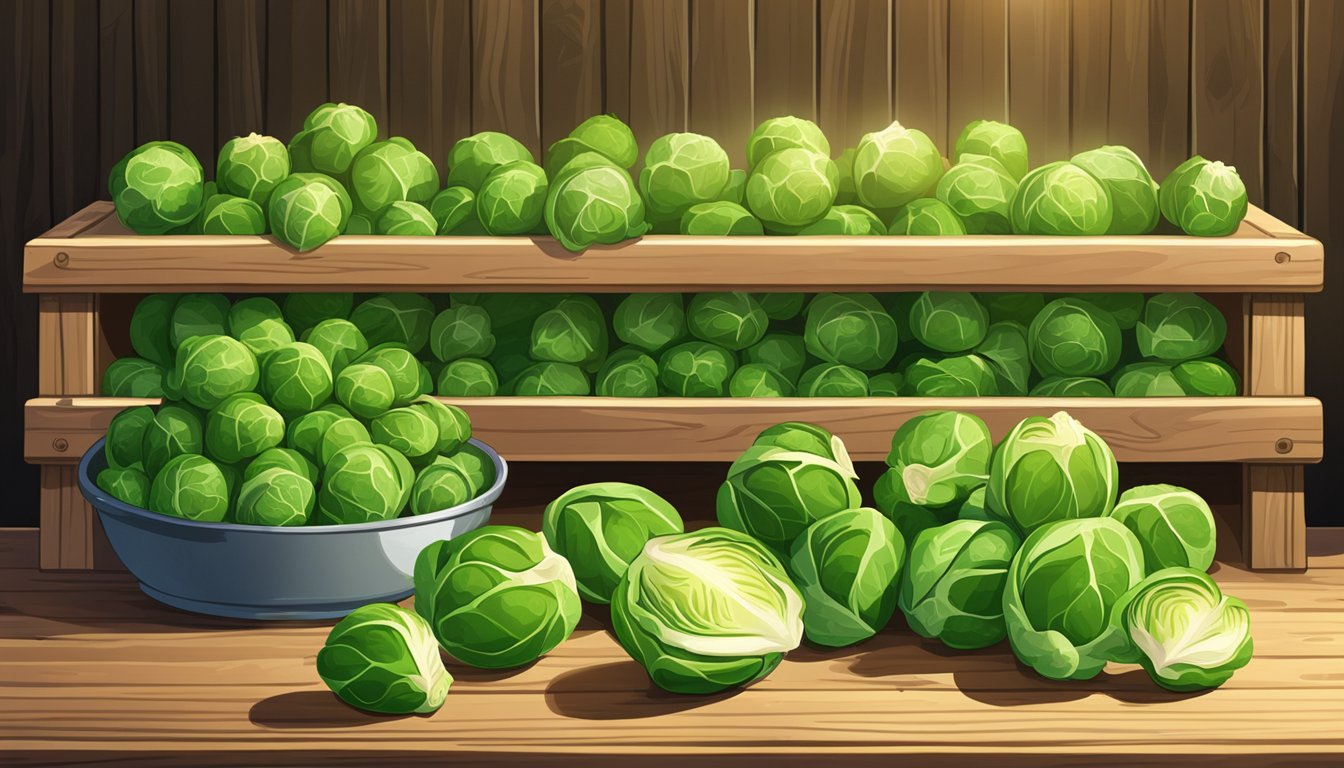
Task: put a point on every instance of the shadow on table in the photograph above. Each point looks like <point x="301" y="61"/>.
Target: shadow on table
<point x="611" y="692"/>
<point x="312" y="709"/>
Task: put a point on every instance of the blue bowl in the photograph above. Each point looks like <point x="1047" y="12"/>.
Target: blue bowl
<point x="264" y="572"/>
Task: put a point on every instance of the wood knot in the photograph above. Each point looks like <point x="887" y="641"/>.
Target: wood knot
<point x="60" y="444"/>
<point x="1283" y="445"/>
<point x="1282" y="258"/>
<point x="62" y="259"/>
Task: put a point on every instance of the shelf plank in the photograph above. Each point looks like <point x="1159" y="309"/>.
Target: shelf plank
<point x="1230" y="429"/>
<point x="105" y="258"/>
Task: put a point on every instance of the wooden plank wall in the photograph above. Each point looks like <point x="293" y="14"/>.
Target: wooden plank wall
<point x="1257" y="83"/>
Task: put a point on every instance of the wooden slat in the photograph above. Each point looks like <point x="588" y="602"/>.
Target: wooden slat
<point x="1039" y="76"/>
<point x="1275" y="536"/>
<point x="151" y="70"/>
<point x="191" y="86"/>
<point x="74" y="106"/>
<point x="977" y="62"/>
<point x="855" y="87"/>
<point x="786" y="59"/>
<point x="242" y="68"/>
<point x="1227" y="117"/>
<point x="920" y="59"/>
<point x="296" y="63"/>
<point x="1090" y="74"/>
<point x="116" y="83"/>
<point x="357" y="56"/>
<point x="1278" y="345"/>
<point x="1150" y="80"/>
<point x="616" y="58"/>
<point x="722" y="73"/>
<point x="431" y="66"/>
<point x="571" y="65"/>
<point x="1283" y="49"/>
<point x="659" y="68"/>
<point x="504" y="70"/>
<point x="66" y="341"/>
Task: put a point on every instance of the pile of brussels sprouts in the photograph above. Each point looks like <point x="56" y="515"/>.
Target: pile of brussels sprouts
<point x="936" y="344"/>
<point x="258" y="427"/>
<point x="973" y="542"/>
<point x="336" y="176"/>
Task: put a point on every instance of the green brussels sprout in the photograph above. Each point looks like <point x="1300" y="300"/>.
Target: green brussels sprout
<point x="454" y="211"/>
<point x="408" y="376"/>
<point x="473" y="158"/>
<point x="345" y="431"/>
<point x="175" y="430"/>
<point x="696" y="369"/>
<point x="128" y="485"/>
<point x="733" y="320"/>
<point x="407" y="219"/>
<point x="718" y="219"/>
<point x="956" y="376"/>
<point x="552" y="380"/>
<point x="1133" y="192"/>
<point x="241" y="427"/>
<point x="1126" y="308"/>
<point x="191" y="487"/>
<point x="954" y="582"/>
<point x="133" y="377"/>
<point x="339" y="341"/>
<point x="787" y="354"/>
<point x="887" y="384"/>
<point x="496" y="597"/>
<point x="296" y="378"/>
<point x="910" y="519"/>
<point x="980" y="191"/>
<point x="410" y="431"/>
<point x="282" y="458"/>
<point x="398" y="318"/>
<point x="846" y="566"/>
<point x="452" y="423"/>
<point x="1180" y="326"/>
<point x="212" y="368"/>
<point x="832" y="380"/>
<point x="332" y="135"/>
<point x="198" y="314"/>
<point x="1074" y="337"/>
<point x="475" y="464"/>
<point x="611" y="137"/>
<point x="512" y="199"/>
<point x="601" y="527"/>
<point x="735" y="191"/>
<point x="1173" y="525"/>
<point x="308" y="209"/>
<point x="845" y="192"/>
<point x="250" y="166"/>
<point x="894" y="166"/>
<point x="363" y="483"/>
<point x="851" y="329"/>
<point x="574" y="331"/>
<point x="304" y="311"/>
<point x="628" y="372"/>
<point x="440" y="486"/>
<point x="157" y="187"/>
<point x="229" y="215"/>
<point x="791" y="189"/>
<point x="807" y="438"/>
<point x="781" y="306"/>
<point x="151" y="328"/>
<point x="304" y="434"/>
<point x="389" y="171"/>
<point x="1051" y="469"/>
<point x="928" y="217"/>
<point x="383" y="658"/>
<point x="949" y="321"/>
<point x="461" y="331"/>
<point x="1206" y="199"/>
<point x="680" y="170"/>
<point x="974" y="508"/>
<point x="1146" y="379"/>
<point x="706" y="611"/>
<point x="650" y="321"/>
<point x="1005" y="349"/>
<point x="260" y="325"/>
<point x="275" y="496"/>
<point x="358" y="224"/>
<point x="759" y="380"/>
<point x="779" y="133"/>
<point x="1207" y="377"/>
<point x="845" y="220"/>
<point x="467" y="377"/>
<point x="365" y="389"/>
<point x="998" y="140"/>
<point x="1020" y="308"/>
<point x="775" y="493"/>
<point x="1071" y="386"/>
<point x="124" y="447"/>
<point x="1061" y="199"/>
<point x="938" y="458"/>
<point x="1185" y="632"/>
<point x="1062" y="586"/>
<point x="593" y="204"/>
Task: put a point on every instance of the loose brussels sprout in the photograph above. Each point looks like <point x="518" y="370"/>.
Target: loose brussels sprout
<point x="304" y="434"/>
<point x="440" y="486"/>
<point x="937" y="459"/>
<point x="126" y="437"/>
<point x="706" y="611"/>
<point x="886" y="384"/>
<point x="363" y="483"/>
<point x="846" y="220"/>
<point x="512" y="199"/>
<point x="735" y="191"/>
<point x="341" y="433"/>
<point x="1146" y="380"/>
<point x="1185" y="632"/>
<point x="1073" y="337"/>
<point x="385" y="172"/>
<point x="151" y="328"/>
<point x="593" y="204"/>
<point x="1071" y="386"/>
<point x="1005" y="348"/>
<point x="296" y="378"/>
<point x="365" y="389"/>
<point x="926" y="216"/>
<point x="133" y="377"/>
<point x="628" y="372"/>
<point x="198" y="314"/>
<point x="1180" y="326"/>
<point x="473" y="158"/>
<point x="1020" y="308"/>
<point x="759" y="380"/>
<point x="949" y="321"/>
<point x="191" y="487"/>
<point x="157" y="187"/>
<point x="791" y="188"/>
<point x="229" y="215"/>
<point x="467" y="377"/>
<point x="212" y="368"/>
<point x="833" y="380"/>
<point x="454" y="211"/>
<point x="282" y="458"/>
<point x="998" y="140"/>
<point x="496" y="597"/>
<point x="894" y="166"/>
<point x="453" y="424"/>
<point x="552" y="380"/>
<point x="397" y="318"/>
<point x="1132" y="190"/>
<point x="650" y="321"/>
<point x="785" y="353"/>
<point x="851" y="329"/>
<point x="779" y="133"/>
<point x="1207" y="377"/>
<point x="957" y="376"/>
<point x="382" y="658"/>
<point x="275" y="496"/>
<point x="304" y="311"/>
<point x="128" y="485"/>
<point x="409" y="431"/>
<point x="846" y="566"/>
<point x="808" y="438"/>
<point x="980" y="191"/>
<point x="461" y="331"/>
<point x="719" y="218"/>
<point x="696" y="369"/>
<point x="611" y="137"/>
<point x="250" y="166"/>
<point x="241" y="427"/>
<point x="953" y="586"/>
<point x="775" y="493"/>
<point x="308" y="209"/>
<point x="680" y="170"/>
<point x="175" y="430"/>
<point x="1051" y="469"/>
<point x="331" y="137"/>
<point x="910" y="519"/>
<point x="402" y="217"/>
<point x="1173" y="525"/>
<point x="1061" y="199"/>
<point x="601" y="527"/>
<point x="1203" y="198"/>
<point x="340" y="342"/>
<point x="781" y="306"/>
<point x="574" y="331"/>
<point x="733" y="320"/>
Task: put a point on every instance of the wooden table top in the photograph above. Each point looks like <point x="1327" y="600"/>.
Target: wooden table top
<point x="92" y="670"/>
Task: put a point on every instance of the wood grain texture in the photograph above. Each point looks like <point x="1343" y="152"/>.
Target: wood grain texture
<point x="1276" y="520"/>
<point x="722" y="74"/>
<point x="191" y="86"/>
<point x="1039" y="76"/>
<point x="977" y="63"/>
<point x="616" y="19"/>
<point x="1150" y="81"/>
<point x="1283" y="51"/>
<point x="72" y="537"/>
<point x="659" y="68"/>
<point x="1278" y="345"/>
<point x="357" y="56"/>
<point x="1227" y="115"/>
<point x="1090" y="73"/>
<point x="919" y="56"/>
<point x="116" y="84"/>
<point x="786" y="59"/>
<point x="296" y="80"/>
<point x="570" y="64"/>
<point x="431" y="65"/>
<point x="856" y="69"/>
<point x="66" y="343"/>
<point x="151" y="70"/>
<point x="505" y="79"/>
<point x="74" y="106"/>
<point x="242" y="68"/>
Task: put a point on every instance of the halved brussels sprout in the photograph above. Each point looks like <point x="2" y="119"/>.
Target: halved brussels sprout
<point x="775" y="493"/>
<point x="382" y="658"/>
<point x="846" y="566"/>
<point x="1051" y="469"/>
<point x="1173" y="525"/>
<point x="954" y="582"/>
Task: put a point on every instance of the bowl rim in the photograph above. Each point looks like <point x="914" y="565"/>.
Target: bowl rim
<point x="106" y="504"/>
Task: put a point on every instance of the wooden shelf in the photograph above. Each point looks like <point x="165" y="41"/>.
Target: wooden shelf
<point x="93" y="253"/>
<point x="1226" y="429"/>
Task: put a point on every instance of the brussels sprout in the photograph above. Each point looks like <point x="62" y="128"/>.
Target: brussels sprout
<point x="343" y="432"/>
<point x="250" y="166"/>
<point x="452" y="423"/>
<point x="467" y="377"/>
<point x="399" y="318"/>
<point x="696" y="369"/>
<point x="332" y="135"/>
<point x="1173" y="525"/>
<point x="734" y="320"/>
<point x="611" y="137"/>
<point x="949" y="321"/>
<point x="454" y="212"/>
<point x="124" y="447"/>
<point x="1071" y="386"/>
<point x="1005" y="349"/>
<point x="462" y="331"/>
<point x="475" y="465"/>
<point x="937" y="459"/>
<point x="1061" y="199"/>
<point x="719" y="218"/>
<point x="980" y="191"/>
<point x="365" y="389"/>
<point x="775" y="493"/>
<point x="894" y="166"/>
<point x="308" y="209"/>
<point x="241" y="427"/>
<point x="409" y="431"/>
<point x="133" y="377"/>
<point x="552" y="380"/>
<point x="974" y="507"/>
<point x="385" y="172"/>
<point x="296" y="378"/>
<point x="846" y="220"/>
<point x="382" y="658"/>
<point x="473" y="158"/>
<point x="628" y="372"/>
<point x="407" y="375"/>
<point x="1051" y="469"/>
<point x="275" y="496"/>
<point x="1073" y="337"/>
<point x="304" y="434"/>
<point x="706" y="611"/>
<point x="212" y="368"/>
<point x="1206" y="199"/>
<point x="304" y="311"/>
<point x="157" y="187"/>
<point x="852" y="329"/>
<point x="574" y="331"/>
<point x="650" y="321"/>
<point x="957" y="376"/>
<point x="128" y="485"/>
<point x="807" y="438"/>
<point x="1207" y="377"/>
<point x="1185" y="632"/>
<point x="259" y="324"/>
<point x="846" y="566"/>
<point x="593" y="204"/>
<point x="402" y="217"/>
<point x="151" y="328"/>
<point x="886" y="384"/>
<point x="759" y="380"/>
<point x="339" y="341"/>
<point x="785" y="353"/>
<point x="781" y="306"/>
<point x="496" y="597"/>
<point x="190" y="486"/>
<point x="910" y="519"/>
<point x="845" y="192"/>
<point x="229" y="215"/>
<point x="198" y="314"/>
<point x="1147" y="379"/>
<point x="680" y="170"/>
<point x="953" y="586"/>
<point x="1132" y="190"/>
<point x="363" y="483"/>
<point x="175" y="430"/>
<point x="1180" y="326"/>
<point x="780" y="133"/>
<point x="833" y="380"/>
<point x="1020" y="308"/>
<point x="926" y="216"/>
<point x="512" y="199"/>
<point x="1125" y="308"/>
<point x="998" y="140"/>
<point x="735" y="191"/>
<point x="791" y="188"/>
<point x="282" y="458"/>
<point x="440" y="486"/>
<point x="358" y="224"/>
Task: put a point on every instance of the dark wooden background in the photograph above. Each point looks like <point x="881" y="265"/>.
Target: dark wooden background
<point x="1256" y="83"/>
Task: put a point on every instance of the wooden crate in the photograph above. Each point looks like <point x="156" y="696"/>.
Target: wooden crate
<point x="1258" y="275"/>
